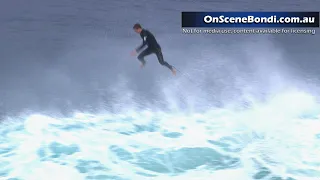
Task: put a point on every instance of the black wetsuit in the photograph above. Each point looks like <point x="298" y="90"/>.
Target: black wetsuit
<point x="153" y="47"/>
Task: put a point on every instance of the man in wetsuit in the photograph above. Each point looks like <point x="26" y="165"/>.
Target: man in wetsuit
<point x="153" y="47"/>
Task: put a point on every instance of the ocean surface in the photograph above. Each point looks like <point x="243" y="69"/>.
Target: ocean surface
<point x="74" y="105"/>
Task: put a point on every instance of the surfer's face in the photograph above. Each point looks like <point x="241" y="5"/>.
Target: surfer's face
<point x="138" y="30"/>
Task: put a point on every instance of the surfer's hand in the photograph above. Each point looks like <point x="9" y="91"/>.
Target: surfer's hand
<point x="133" y="53"/>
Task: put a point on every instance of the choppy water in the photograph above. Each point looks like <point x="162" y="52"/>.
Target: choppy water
<point x="270" y="140"/>
<point x="74" y="105"/>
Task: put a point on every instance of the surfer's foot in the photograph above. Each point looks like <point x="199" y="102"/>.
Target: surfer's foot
<point x="174" y="72"/>
<point x="142" y="65"/>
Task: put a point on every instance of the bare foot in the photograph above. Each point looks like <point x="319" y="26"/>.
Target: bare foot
<point x="174" y="72"/>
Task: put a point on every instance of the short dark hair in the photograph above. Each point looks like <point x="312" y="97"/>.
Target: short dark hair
<point x="137" y="26"/>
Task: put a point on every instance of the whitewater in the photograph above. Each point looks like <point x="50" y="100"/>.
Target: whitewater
<point x="274" y="138"/>
<point x="261" y="143"/>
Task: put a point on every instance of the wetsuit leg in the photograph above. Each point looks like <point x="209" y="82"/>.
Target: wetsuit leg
<point x="161" y="60"/>
<point x="144" y="53"/>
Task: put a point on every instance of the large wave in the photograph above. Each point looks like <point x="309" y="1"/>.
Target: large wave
<point x="222" y="118"/>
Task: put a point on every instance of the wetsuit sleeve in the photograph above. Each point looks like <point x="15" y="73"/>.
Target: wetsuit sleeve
<point x="144" y="42"/>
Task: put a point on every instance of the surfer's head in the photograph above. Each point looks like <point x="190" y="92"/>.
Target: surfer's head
<point x="137" y="28"/>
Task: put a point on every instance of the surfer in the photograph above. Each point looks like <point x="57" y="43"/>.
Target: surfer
<point x="153" y="47"/>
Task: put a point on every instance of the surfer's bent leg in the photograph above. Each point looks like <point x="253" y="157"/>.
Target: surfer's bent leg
<point x="144" y="53"/>
<point x="161" y="60"/>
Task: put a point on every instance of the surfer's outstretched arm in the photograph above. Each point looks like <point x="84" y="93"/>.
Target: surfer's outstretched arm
<point x="144" y="36"/>
<point x="144" y="43"/>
